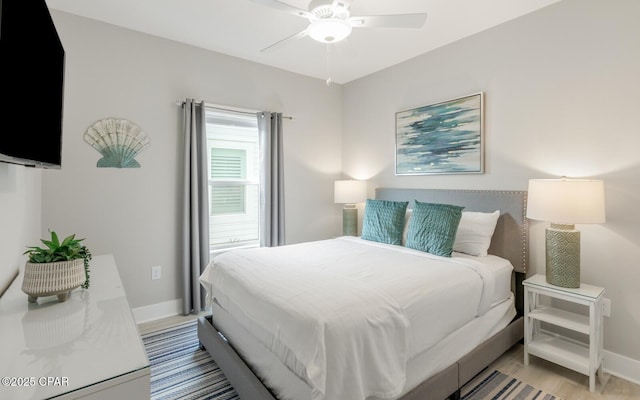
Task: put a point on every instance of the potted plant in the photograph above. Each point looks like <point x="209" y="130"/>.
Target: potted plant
<point x="56" y="269"/>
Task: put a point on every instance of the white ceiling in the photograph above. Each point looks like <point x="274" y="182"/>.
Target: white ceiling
<point x="241" y="28"/>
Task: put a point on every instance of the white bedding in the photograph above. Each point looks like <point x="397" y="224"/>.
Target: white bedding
<point x="285" y="385"/>
<point x="501" y="269"/>
<point x="347" y="314"/>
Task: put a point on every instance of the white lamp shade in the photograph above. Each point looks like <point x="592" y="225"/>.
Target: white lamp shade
<point x="350" y="191"/>
<point x="566" y="201"/>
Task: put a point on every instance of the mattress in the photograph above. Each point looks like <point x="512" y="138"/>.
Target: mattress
<point x="501" y="271"/>
<point x="346" y="315"/>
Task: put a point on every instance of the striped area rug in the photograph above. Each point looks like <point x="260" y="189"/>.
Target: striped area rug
<point x="495" y="385"/>
<point x="180" y="370"/>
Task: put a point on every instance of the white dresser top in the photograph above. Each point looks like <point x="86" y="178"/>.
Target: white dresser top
<point x="87" y="339"/>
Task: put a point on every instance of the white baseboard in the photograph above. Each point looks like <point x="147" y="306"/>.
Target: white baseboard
<point x="621" y="366"/>
<point x="157" y="311"/>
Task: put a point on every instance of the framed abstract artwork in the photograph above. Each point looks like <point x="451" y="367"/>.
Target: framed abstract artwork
<point x="441" y="138"/>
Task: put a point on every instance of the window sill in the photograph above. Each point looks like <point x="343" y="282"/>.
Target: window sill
<point x="219" y="251"/>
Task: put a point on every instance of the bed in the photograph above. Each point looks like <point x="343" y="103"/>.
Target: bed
<point x="332" y="320"/>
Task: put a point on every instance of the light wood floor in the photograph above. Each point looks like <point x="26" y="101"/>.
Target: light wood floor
<point x="562" y="382"/>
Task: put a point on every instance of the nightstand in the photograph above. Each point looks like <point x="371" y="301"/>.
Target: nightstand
<point x="557" y="348"/>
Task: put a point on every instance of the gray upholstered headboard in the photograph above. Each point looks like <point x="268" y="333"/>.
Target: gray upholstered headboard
<point x="511" y="237"/>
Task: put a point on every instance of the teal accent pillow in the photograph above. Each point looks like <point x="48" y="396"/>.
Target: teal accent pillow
<point x="384" y="221"/>
<point x="433" y="227"/>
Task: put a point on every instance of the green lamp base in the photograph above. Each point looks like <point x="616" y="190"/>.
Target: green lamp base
<point x="563" y="255"/>
<point x="350" y="221"/>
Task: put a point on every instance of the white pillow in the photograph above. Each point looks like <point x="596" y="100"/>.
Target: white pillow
<point x="475" y="231"/>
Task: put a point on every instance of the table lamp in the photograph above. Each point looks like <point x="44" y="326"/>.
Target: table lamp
<point x="565" y="202"/>
<point x="350" y="192"/>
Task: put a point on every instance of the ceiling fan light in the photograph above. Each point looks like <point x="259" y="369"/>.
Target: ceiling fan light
<point x="329" y="30"/>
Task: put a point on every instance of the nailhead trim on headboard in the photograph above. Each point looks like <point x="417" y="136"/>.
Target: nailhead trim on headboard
<point x="511" y="203"/>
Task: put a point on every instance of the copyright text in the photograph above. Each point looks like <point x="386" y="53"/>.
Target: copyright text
<point x="27" y="381"/>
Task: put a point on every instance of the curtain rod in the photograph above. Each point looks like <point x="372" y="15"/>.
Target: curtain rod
<point x="227" y="108"/>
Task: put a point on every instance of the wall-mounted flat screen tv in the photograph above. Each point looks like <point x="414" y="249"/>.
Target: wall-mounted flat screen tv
<point x="31" y="85"/>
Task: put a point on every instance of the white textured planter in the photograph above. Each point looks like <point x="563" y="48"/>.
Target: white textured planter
<point x="52" y="279"/>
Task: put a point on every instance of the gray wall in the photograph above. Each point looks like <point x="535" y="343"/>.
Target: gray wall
<point x="561" y="88"/>
<point x="134" y="213"/>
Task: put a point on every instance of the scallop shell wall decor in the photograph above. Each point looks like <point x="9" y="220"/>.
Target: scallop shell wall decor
<point x="118" y="140"/>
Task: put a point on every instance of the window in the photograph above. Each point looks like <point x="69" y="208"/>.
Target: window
<point x="234" y="175"/>
<point x="228" y="174"/>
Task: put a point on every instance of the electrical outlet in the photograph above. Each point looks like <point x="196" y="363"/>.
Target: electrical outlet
<point x="156" y="272"/>
<point x="606" y="307"/>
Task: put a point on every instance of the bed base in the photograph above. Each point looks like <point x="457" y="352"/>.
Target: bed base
<point x="443" y="385"/>
<point x="241" y="377"/>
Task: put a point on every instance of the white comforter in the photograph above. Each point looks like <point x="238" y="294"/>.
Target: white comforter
<point x="347" y="314"/>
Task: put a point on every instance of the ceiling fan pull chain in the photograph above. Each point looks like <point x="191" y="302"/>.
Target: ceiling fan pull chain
<point x="328" y="81"/>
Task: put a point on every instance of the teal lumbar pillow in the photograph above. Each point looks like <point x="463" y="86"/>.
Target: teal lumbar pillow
<point x="432" y="228"/>
<point x="384" y="221"/>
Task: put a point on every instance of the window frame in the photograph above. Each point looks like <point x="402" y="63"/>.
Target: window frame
<point x="251" y="174"/>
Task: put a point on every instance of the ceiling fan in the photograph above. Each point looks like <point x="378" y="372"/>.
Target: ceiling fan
<point x="330" y="20"/>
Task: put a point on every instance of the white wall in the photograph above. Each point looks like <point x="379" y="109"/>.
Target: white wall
<point x="134" y="213"/>
<point x="20" y="215"/>
<point x="561" y="88"/>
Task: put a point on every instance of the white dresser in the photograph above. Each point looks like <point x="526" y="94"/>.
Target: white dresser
<point x="87" y="347"/>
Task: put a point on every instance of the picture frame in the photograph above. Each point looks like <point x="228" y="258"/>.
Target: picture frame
<point x="441" y="138"/>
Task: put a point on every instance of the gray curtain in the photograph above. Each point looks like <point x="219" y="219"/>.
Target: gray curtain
<point x="271" y="179"/>
<point x="195" y="211"/>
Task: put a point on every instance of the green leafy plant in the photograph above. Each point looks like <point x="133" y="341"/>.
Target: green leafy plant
<point x="69" y="249"/>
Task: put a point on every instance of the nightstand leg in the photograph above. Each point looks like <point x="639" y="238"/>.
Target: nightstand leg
<point x="600" y="342"/>
<point x="593" y="339"/>
<point x="527" y="326"/>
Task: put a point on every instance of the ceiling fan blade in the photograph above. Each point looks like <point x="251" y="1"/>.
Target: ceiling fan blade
<point x="284" y="42"/>
<point x="389" y="21"/>
<point x="278" y="5"/>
